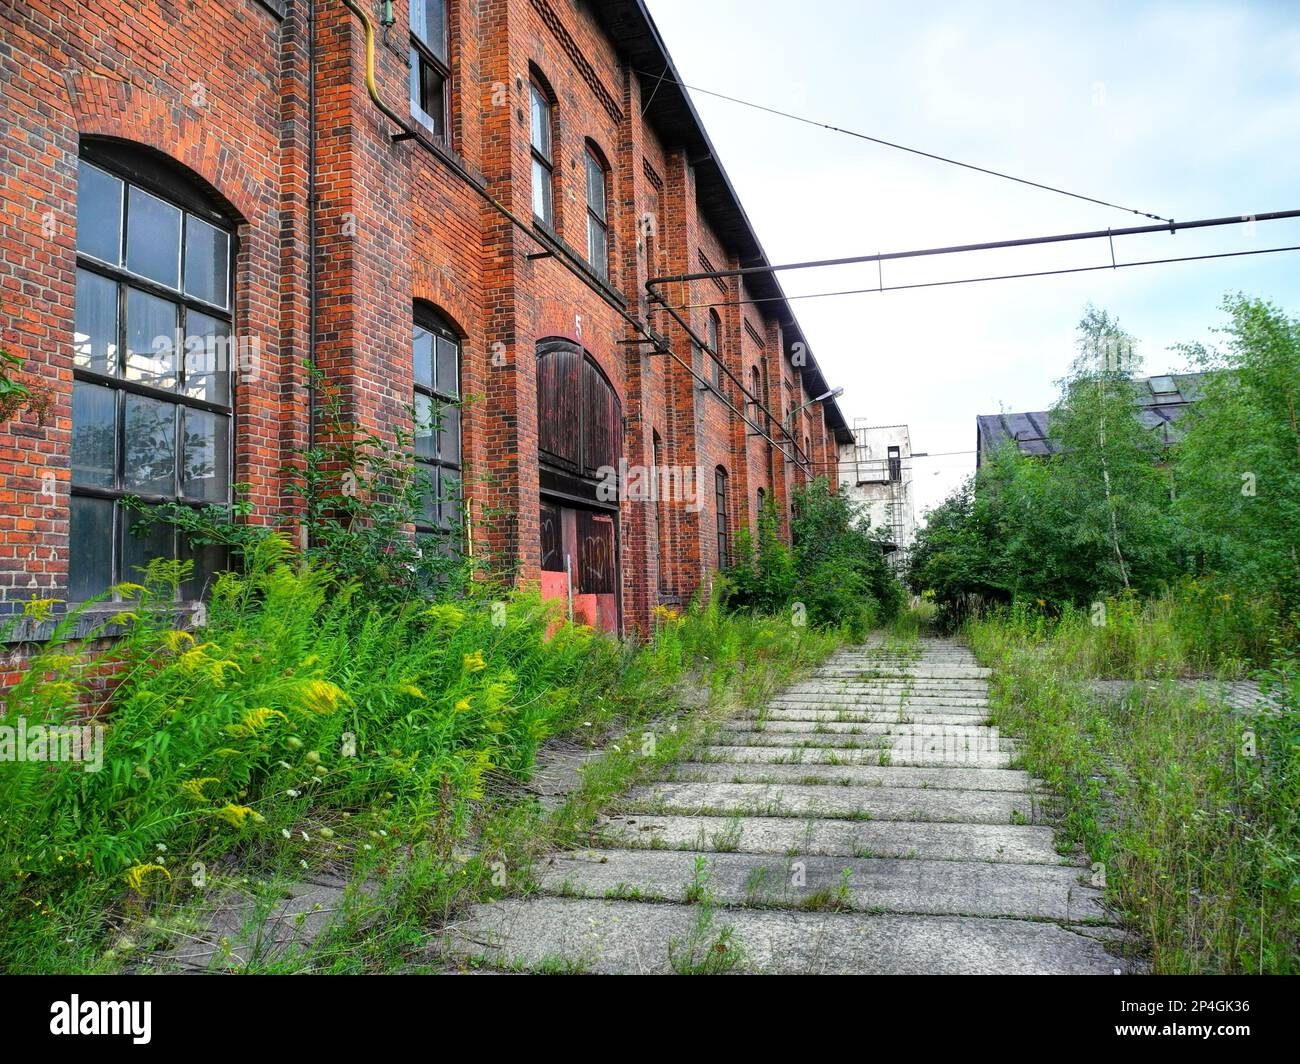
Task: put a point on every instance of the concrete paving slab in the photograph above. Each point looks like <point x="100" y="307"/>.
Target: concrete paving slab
<point x="1025" y="844"/>
<point x="626" y="937"/>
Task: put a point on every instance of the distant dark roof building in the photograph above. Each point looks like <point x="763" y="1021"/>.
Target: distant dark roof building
<point x="1163" y="400"/>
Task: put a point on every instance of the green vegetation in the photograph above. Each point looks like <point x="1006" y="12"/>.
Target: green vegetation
<point x="834" y="575"/>
<point x="1188" y="811"/>
<point x="309" y="726"/>
<point x="1119" y="557"/>
<point x="1208" y="525"/>
<point x="17" y="392"/>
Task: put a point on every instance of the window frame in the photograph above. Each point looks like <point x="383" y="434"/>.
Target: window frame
<point x="183" y="194"/>
<point x="542" y="158"/>
<point x="715" y="354"/>
<point x="422" y="55"/>
<point x="425" y="317"/>
<point x="721" y="483"/>
<point x="598" y="221"/>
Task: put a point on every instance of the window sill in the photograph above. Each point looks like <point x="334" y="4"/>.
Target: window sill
<point x="592" y="277"/>
<point x="437" y="146"/>
<point x="29" y="630"/>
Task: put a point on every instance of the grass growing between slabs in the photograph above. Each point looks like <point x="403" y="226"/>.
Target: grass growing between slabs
<point x="1188" y="809"/>
<point x="308" y="730"/>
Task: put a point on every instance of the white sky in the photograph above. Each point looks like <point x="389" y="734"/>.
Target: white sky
<point x="1186" y="110"/>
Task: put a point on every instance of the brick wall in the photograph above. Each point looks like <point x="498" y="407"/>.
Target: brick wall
<point x="225" y="90"/>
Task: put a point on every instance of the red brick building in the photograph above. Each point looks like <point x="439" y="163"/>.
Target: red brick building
<point x="471" y="231"/>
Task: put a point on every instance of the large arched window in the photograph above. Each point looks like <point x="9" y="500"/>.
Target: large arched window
<point x="153" y="358"/>
<point x="724" y="523"/>
<point x="436" y="351"/>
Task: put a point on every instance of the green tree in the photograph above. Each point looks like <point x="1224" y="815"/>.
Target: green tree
<point x="1238" y="467"/>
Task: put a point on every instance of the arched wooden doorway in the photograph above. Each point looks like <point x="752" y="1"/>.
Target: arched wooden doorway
<point x="580" y="451"/>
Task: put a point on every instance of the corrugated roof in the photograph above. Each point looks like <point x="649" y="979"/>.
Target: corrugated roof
<point x="1161" y="407"/>
<point x="670" y="111"/>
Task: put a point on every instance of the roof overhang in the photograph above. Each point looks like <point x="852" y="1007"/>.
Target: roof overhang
<point x="670" y="111"/>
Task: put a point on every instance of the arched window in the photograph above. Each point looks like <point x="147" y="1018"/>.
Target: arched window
<point x="436" y="351"/>
<point x="715" y="350"/>
<point x="543" y="150"/>
<point x="755" y="389"/>
<point x="153" y="357"/>
<point x="762" y="501"/>
<point x="724" y="524"/>
<point x="597" y="214"/>
<point x="430" y="66"/>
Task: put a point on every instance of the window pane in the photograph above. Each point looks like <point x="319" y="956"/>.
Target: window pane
<point x="598" y="247"/>
<point x="90" y="560"/>
<point x="205" y="472"/>
<point x="144" y="540"/>
<point x="423" y="352"/>
<point x="450" y="492"/>
<point x="428" y="90"/>
<point x="150" y="340"/>
<point x="94" y="338"/>
<point x="448" y="433"/>
<point x="208" y="358"/>
<point x="429" y="23"/>
<point x="428" y="480"/>
<point x="150" y="465"/>
<point x="448" y="367"/>
<point x="424" y="427"/>
<point x="208" y="561"/>
<point x="207" y="261"/>
<point x="153" y="238"/>
<point x="94" y="439"/>
<point x="541" y="192"/>
<point x="99" y="213"/>
<point x="541" y="123"/>
<point x="595" y="187"/>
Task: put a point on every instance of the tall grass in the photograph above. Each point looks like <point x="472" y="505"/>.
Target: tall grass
<point x="1191" y="810"/>
<point x="306" y="724"/>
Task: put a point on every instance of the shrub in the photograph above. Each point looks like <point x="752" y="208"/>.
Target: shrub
<point x="836" y="568"/>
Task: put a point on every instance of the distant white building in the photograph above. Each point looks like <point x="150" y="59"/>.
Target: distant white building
<point x="876" y="469"/>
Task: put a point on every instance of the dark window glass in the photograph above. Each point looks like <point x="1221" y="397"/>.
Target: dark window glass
<point x="151" y="339"/>
<point x="143" y="541"/>
<point x="90" y="541"/>
<point x="94" y="341"/>
<point x="428" y="93"/>
<point x="209" y="358"/>
<point x="169" y="435"/>
<point x="429" y="25"/>
<point x="543" y="162"/>
<point x="724" y="525"/>
<point x="597" y="217"/>
<point x="153" y="238"/>
<point x="437" y="422"/>
<point x="150" y="441"/>
<point x="94" y="435"/>
<point x="206" y="456"/>
<point x="448" y="367"/>
<point x="430" y="64"/>
<point x="99" y="214"/>
<point x="423" y="349"/>
<point x="207" y="262"/>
